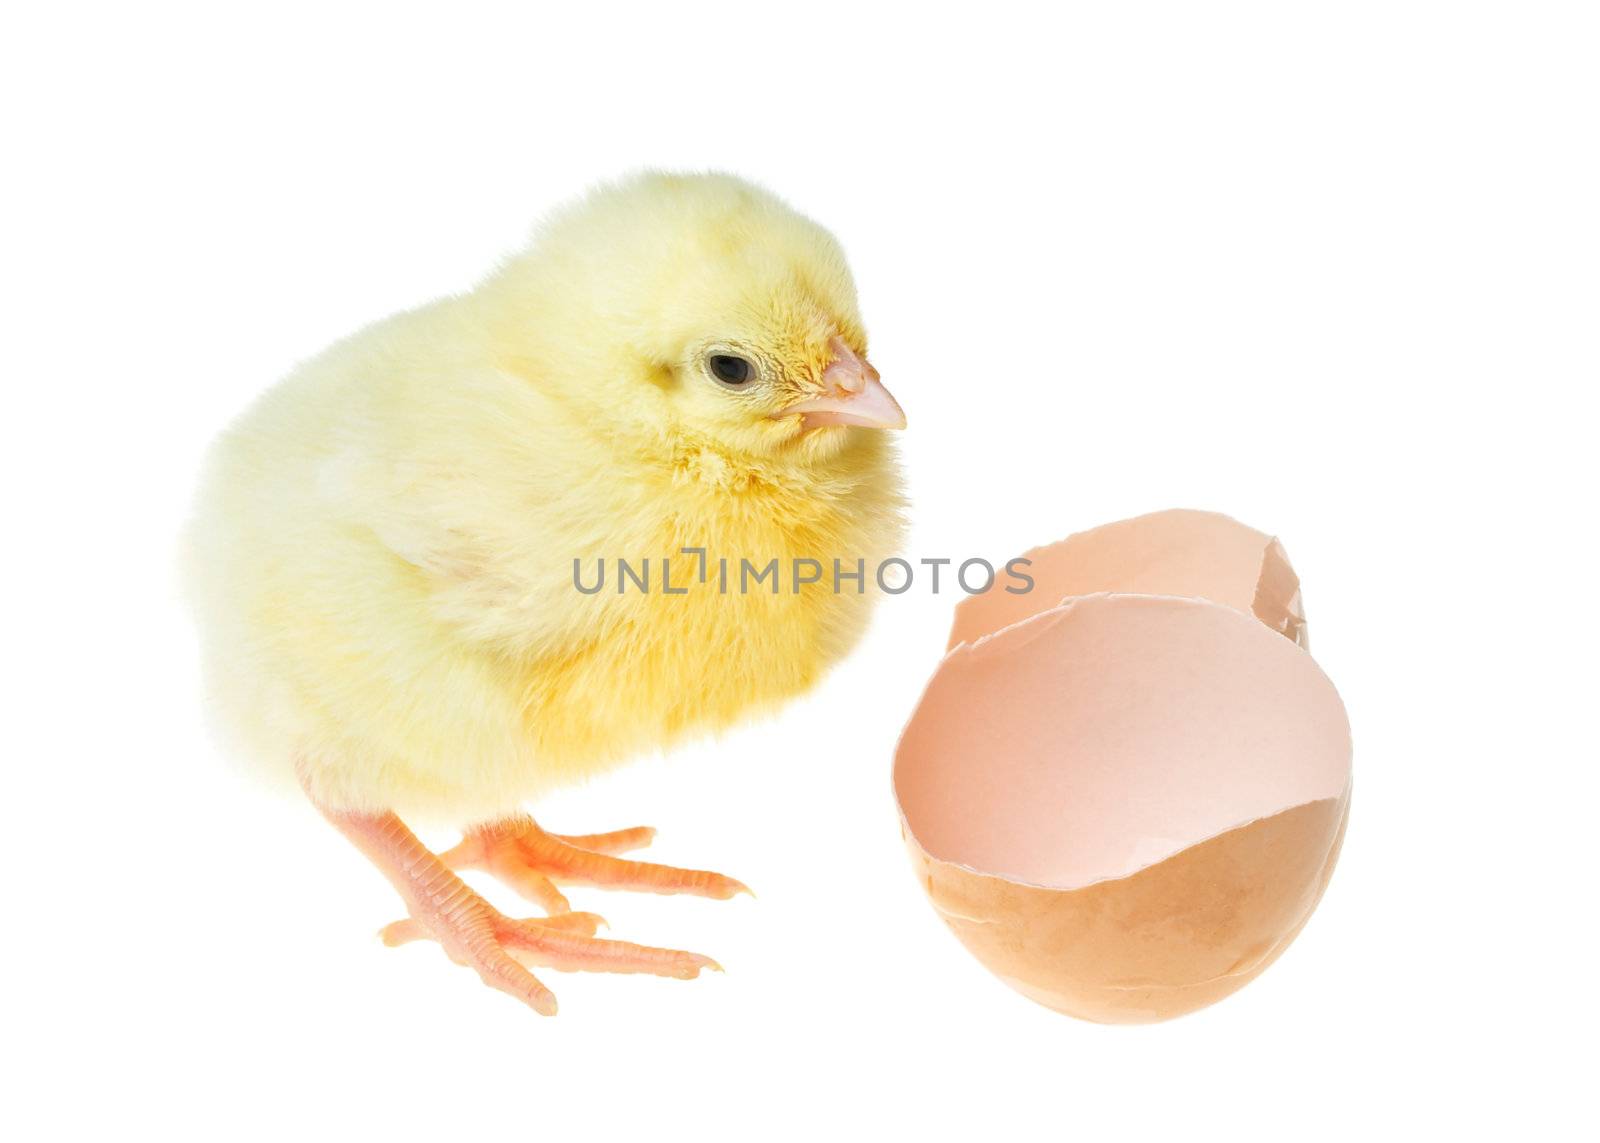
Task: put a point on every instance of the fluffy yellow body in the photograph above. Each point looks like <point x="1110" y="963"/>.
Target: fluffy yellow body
<point x="382" y="553"/>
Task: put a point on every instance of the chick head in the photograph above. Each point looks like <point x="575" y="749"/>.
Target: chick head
<point x="700" y="307"/>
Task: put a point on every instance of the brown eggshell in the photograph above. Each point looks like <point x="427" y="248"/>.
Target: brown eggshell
<point x="1170" y="939"/>
<point x="1204" y="555"/>
<point x="1126" y="806"/>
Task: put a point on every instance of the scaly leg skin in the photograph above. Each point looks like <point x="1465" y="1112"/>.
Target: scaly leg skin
<point x="533" y="862"/>
<point x="477" y="935"/>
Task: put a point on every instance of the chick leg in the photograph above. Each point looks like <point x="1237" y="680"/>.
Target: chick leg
<point x="477" y="935"/>
<point x="532" y="861"/>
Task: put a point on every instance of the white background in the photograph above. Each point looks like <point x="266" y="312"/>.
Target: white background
<point x="1332" y="271"/>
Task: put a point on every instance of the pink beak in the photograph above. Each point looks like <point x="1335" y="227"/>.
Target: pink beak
<point x="852" y="395"/>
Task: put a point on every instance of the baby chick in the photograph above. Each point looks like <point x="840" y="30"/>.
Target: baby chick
<point x="394" y="550"/>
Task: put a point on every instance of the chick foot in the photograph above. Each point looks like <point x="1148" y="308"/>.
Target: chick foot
<point x="533" y="862"/>
<point x="474" y="933"/>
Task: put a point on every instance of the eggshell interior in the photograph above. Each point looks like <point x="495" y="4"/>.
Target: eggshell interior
<point x="1127" y="804"/>
<point x="1099" y="737"/>
<point x="1204" y="555"/>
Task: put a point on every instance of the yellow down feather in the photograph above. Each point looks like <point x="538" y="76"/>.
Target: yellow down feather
<point x="381" y="556"/>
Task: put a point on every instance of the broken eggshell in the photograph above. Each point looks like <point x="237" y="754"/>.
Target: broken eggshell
<point x="1204" y="555"/>
<point x="1126" y="804"/>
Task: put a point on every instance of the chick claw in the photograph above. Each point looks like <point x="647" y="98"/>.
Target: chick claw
<point x="565" y="943"/>
<point x="473" y="933"/>
<point x="531" y="861"/>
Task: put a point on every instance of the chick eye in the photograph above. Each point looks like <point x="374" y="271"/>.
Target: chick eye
<point x="731" y="370"/>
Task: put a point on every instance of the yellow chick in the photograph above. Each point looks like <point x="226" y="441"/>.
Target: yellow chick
<point x="490" y="545"/>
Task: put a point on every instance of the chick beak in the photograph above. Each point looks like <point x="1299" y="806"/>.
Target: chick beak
<point x="852" y="395"/>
